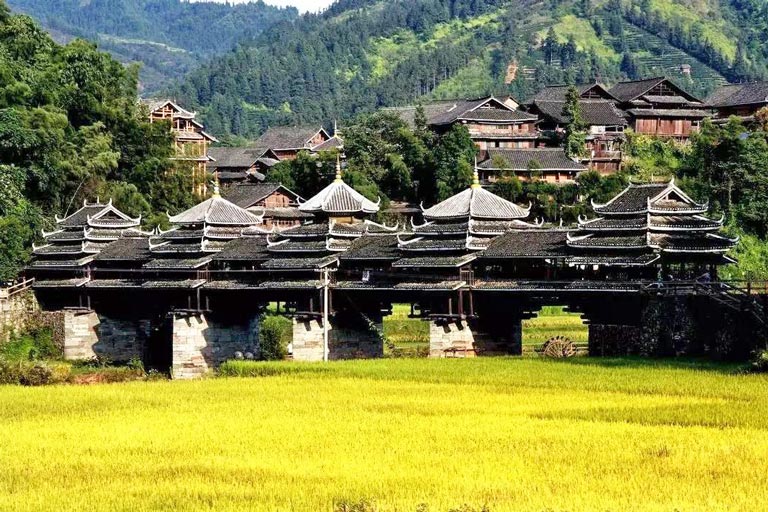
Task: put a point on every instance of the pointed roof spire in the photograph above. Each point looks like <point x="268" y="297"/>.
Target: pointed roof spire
<point x="475" y="176"/>
<point x="338" y="168"/>
<point x="216" y="191"/>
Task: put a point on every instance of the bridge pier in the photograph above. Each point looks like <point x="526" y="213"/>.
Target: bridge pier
<point x="201" y="342"/>
<point x="349" y="337"/>
<point x="464" y="338"/>
<point x="91" y="335"/>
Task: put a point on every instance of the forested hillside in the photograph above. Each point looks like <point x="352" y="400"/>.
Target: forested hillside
<point x="71" y="129"/>
<point x="363" y="54"/>
<point x="169" y="37"/>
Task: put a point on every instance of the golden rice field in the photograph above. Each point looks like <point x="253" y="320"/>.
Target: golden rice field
<point x="510" y="434"/>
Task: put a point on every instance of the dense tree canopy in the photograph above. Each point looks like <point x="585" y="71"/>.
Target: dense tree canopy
<point x="71" y="129"/>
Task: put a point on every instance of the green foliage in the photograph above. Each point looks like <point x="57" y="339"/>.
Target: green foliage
<point x="33" y="373"/>
<point x="71" y="129"/>
<point x="454" y="157"/>
<point x="35" y="345"/>
<point x="751" y="255"/>
<point x="652" y="158"/>
<point x="575" y="130"/>
<point x="129" y="29"/>
<point x="275" y="333"/>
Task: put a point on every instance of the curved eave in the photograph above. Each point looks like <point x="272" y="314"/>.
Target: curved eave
<point x="687" y="211"/>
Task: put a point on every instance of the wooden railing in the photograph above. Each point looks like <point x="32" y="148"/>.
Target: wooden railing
<point x="7" y="293"/>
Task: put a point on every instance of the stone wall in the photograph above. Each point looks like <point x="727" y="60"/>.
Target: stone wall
<point x="344" y="342"/>
<point x="89" y="335"/>
<point x="611" y="339"/>
<point x="201" y="343"/>
<point x="80" y="334"/>
<point x="17" y="313"/>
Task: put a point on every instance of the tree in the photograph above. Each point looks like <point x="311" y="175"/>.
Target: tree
<point x="575" y="129"/>
<point x="454" y="157"/>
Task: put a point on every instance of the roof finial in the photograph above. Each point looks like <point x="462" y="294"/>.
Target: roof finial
<point x="338" y="168"/>
<point x="475" y="177"/>
<point x="216" y="192"/>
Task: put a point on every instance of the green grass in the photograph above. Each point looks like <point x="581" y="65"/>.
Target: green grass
<point x="554" y="321"/>
<point x="509" y="434"/>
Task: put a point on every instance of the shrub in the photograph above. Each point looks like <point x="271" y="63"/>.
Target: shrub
<point x="274" y="335"/>
<point x="27" y="373"/>
<point x="760" y="363"/>
<point x="32" y="345"/>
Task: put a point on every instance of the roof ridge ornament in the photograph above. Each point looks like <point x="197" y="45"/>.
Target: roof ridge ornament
<point x="475" y="176"/>
<point x="338" y="169"/>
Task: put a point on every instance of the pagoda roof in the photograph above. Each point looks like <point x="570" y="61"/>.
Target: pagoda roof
<point x="226" y="157"/>
<point x="478" y="203"/>
<point x="339" y="198"/>
<point x="216" y="210"/>
<point x="710" y="243"/>
<point x="663" y="198"/>
<point x="305" y="263"/>
<point x="652" y="222"/>
<point x="97" y="215"/>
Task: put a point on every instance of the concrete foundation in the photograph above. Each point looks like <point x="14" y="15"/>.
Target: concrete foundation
<point x="344" y="341"/>
<point x="201" y="343"/>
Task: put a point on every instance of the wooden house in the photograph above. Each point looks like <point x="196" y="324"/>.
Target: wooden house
<point x="605" y="123"/>
<point x="741" y="100"/>
<point x="548" y="164"/>
<point x="492" y="123"/>
<point x="276" y="203"/>
<point x="237" y="165"/>
<point x="285" y="142"/>
<point x="657" y="106"/>
<point x="191" y="140"/>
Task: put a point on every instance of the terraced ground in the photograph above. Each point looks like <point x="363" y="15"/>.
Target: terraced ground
<point x="406" y="435"/>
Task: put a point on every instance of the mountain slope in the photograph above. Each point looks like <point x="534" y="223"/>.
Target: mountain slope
<point x="363" y="54"/>
<point x="169" y="37"/>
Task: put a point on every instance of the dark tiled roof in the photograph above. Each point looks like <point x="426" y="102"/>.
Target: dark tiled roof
<point x="609" y="260"/>
<point x="527" y="244"/>
<point x="684" y="222"/>
<point x="632" y="199"/>
<point x="372" y="248"/>
<point x="559" y="92"/>
<point x="692" y="243"/>
<point x="609" y="242"/>
<point x="244" y="249"/>
<point x="497" y="114"/>
<point x="235" y="157"/>
<point x="288" y="137"/>
<point x="432" y="244"/>
<point x="633" y="223"/>
<point x="126" y="249"/>
<point x="435" y="261"/>
<point x="298" y="263"/>
<point x="741" y="94"/>
<point x="594" y="112"/>
<point x="633" y="89"/>
<point x="548" y="159"/>
<point x="177" y="263"/>
<point x="246" y="195"/>
<point x="299" y="246"/>
<point x="668" y="112"/>
<point x="332" y="143"/>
